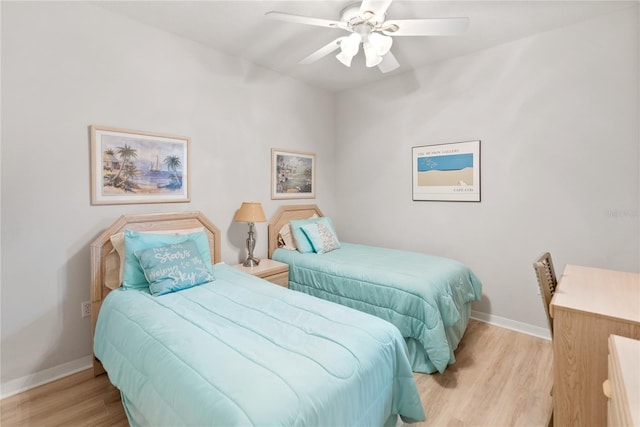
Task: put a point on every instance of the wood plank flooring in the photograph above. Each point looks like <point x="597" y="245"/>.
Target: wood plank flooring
<point x="500" y="378"/>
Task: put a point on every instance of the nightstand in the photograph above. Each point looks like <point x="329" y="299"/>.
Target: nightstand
<point x="268" y="269"/>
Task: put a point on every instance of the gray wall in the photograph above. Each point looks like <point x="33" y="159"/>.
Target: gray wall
<point x="557" y="116"/>
<point x="66" y="66"/>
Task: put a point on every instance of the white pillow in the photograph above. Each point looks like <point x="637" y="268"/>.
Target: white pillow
<point x="285" y="237"/>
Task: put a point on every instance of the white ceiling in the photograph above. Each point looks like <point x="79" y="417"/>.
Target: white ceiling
<point x="240" y="28"/>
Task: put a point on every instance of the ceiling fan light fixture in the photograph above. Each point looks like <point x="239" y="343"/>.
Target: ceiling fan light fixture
<point x="349" y="48"/>
<point x="381" y="43"/>
<point x="371" y="54"/>
<point x="345" y="59"/>
<point x="350" y="45"/>
<point x="367" y="24"/>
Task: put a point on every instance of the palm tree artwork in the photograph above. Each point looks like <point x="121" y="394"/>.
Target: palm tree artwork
<point x="138" y="167"/>
<point x="173" y="162"/>
<point x="131" y="176"/>
<point x="127" y="169"/>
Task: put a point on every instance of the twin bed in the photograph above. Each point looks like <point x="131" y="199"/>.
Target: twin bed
<point x="238" y="350"/>
<point x="427" y="298"/>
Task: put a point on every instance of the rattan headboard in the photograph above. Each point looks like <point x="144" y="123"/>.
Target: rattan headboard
<point x="285" y="214"/>
<point x="101" y="247"/>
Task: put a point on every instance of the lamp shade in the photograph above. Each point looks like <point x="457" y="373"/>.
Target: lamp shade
<point x="250" y="212"/>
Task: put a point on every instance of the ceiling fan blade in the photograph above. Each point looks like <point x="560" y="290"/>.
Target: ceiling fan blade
<point x="426" y="27"/>
<point x="377" y="7"/>
<point x="298" y="19"/>
<point x="388" y="63"/>
<point x="323" y="51"/>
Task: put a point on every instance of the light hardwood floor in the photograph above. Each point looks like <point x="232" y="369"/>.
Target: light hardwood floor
<point x="500" y="378"/>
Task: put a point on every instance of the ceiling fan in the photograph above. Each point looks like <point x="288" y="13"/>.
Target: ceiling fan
<point x="368" y="26"/>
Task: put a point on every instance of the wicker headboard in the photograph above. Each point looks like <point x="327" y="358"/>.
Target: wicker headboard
<point x="102" y="246"/>
<point x="283" y="216"/>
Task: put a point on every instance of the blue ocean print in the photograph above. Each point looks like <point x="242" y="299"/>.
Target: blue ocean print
<point x="159" y="179"/>
<point x="445" y="163"/>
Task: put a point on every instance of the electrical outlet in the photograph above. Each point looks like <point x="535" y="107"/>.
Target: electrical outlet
<point x="85" y="309"/>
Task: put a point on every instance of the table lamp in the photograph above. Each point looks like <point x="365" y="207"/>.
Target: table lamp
<point x="250" y="212"/>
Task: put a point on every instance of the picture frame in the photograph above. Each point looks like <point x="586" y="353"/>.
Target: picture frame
<point x="447" y="172"/>
<point x="293" y="175"/>
<point x="130" y="166"/>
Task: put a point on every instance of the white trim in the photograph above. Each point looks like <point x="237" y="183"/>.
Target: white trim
<point x="12" y="387"/>
<point x="514" y="325"/>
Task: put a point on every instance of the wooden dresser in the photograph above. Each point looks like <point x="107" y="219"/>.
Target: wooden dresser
<point x="623" y="386"/>
<point x="589" y="305"/>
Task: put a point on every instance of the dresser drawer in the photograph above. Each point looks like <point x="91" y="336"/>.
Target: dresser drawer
<point x="623" y="408"/>
<point x="281" y="279"/>
<point x="268" y="269"/>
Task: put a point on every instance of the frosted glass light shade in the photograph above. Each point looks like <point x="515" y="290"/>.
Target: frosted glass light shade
<point x="349" y="48"/>
<point x="381" y="43"/>
<point x="345" y="59"/>
<point x="371" y="55"/>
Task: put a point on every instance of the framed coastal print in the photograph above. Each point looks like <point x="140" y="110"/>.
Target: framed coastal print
<point x="447" y="172"/>
<point x="129" y="166"/>
<point x="292" y="175"/>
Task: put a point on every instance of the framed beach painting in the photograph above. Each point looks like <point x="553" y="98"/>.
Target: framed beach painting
<point x="447" y="172"/>
<point x="129" y="166"/>
<point x="292" y="175"/>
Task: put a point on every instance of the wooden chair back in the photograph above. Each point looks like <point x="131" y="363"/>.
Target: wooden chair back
<point x="547" y="282"/>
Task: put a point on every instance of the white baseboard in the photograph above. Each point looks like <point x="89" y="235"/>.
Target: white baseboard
<point x="514" y="325"/>
<point x="18" y="385"/>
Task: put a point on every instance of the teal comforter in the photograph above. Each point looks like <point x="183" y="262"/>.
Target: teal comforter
<point x="427" y="297"/>
<point x="242" y="351"/>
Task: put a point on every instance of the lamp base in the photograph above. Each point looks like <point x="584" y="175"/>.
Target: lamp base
<point x="251" y="262"/>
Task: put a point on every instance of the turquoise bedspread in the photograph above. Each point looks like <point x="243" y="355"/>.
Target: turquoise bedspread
<point x="242" y="351"/>
<point x="427" y="297"/>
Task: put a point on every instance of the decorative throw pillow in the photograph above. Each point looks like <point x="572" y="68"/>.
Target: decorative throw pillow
<point x="115" y="259"/>
<point x="322" y="238"/>
<point x="133" y="276"/>
<point x="302" y="240"/>
<point x="173" y="267"/>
